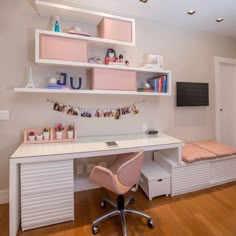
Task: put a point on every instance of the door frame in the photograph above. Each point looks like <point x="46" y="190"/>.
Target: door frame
<point x="218" y="62"/>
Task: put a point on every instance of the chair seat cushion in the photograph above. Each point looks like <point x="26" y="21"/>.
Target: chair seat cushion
<point x="191" y="153"/>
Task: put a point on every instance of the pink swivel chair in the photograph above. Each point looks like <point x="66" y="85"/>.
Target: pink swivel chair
<point x="119" y="178"/>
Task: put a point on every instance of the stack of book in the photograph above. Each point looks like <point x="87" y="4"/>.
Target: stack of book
<point x="159" y="84"/>
<point x="57" y="86"/>
<point x="150" y="90"/>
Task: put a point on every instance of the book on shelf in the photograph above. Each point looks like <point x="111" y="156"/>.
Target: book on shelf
<point x="159" y="84"/>
<point x="146" y="90"/>
<point x="57" y="86"/>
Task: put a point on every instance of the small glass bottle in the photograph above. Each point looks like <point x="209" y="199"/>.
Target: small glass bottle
<point x="56" y="27"/>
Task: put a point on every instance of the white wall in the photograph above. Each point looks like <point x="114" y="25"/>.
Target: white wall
<point x="189" y="54"/>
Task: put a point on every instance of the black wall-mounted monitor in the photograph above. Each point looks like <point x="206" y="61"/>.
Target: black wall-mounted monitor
<point x="192" y="94"/>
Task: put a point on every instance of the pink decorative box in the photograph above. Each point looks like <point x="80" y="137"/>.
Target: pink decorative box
<point x="115" y="29"/>
<point x="62" y="48"/>
<point x="113" y="79"/>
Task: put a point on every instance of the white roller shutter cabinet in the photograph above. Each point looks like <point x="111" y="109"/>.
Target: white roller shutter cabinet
<point x="190" y="178"/>
<point x="47" y="193"/>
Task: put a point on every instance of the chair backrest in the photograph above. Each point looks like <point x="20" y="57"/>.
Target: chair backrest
<point x="129" y="172"/>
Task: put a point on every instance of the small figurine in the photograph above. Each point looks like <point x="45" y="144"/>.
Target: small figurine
<point x="30" y="83"/>
<point x="110" y="56"/>
<point x="121" y="58"/>
<point x="126" y="62"/>
<point x="56" y="27"/>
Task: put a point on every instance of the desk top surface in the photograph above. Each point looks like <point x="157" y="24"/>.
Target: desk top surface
<point x="98" y="144"/>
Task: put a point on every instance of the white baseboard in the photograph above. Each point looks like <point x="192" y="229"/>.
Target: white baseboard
<point x="4" y="196"/>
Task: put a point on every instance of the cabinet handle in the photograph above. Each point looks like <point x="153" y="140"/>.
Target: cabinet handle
<point x="159" y="180"/>
<point x="221" y="109"/>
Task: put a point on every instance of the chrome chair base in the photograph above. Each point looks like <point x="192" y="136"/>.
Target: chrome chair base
<point x="119" y="210"/>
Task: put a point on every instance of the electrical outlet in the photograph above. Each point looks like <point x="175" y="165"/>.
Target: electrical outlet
<point x="79" y="169"/>
<point x="103" y="164"/>
<point x="4" y="115"/>
<point x="90" y="167"/>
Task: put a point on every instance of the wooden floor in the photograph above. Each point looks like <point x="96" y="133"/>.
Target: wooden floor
<point x="203" y="213"/>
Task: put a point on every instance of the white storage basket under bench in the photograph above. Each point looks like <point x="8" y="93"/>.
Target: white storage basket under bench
<point x="154" y="180"/>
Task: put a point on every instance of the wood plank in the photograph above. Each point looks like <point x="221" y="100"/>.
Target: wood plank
<point x="206" y="212"/>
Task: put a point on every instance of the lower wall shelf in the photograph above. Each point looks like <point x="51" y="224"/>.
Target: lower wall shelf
<point x="102" y="92"/>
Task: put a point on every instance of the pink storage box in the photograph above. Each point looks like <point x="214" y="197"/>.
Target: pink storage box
<point x="113" y="79"/>
<point x="115" y="29"/>
<point x="63" y="48"/>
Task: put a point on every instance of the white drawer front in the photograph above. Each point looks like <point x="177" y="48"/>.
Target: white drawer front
<point x="47" y="193"/>
<point x="190" y="178"/>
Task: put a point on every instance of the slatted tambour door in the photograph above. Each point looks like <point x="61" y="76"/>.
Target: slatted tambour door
<point x="189" y="178"/>
<point x="47" y="193"/>
<point x="223" y="170"/>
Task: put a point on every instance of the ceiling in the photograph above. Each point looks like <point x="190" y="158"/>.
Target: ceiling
<point x="174" y="12"/>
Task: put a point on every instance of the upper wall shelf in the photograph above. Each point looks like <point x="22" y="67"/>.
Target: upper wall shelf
<point x="48" y="8"/>
<point x="90" y="92"/>
<point x="72" y="12"/>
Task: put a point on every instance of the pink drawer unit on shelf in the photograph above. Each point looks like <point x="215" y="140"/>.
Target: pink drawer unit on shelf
<point x="115" y="29"/>
<point x="112" y="79"/>
<point x="62" y="48"/>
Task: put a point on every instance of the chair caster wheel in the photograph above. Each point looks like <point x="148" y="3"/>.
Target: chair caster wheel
<point x="95" y="229"/>
<point x="132" y="201"/>
<point x="103" y="204"/>
<point x="150" y="224"/>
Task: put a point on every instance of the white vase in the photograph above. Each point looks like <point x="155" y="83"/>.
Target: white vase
<point x="70" y="134"/>
<point x="58" y="134"/>
<point x="46" y="135"/>
<point x="39" y="137"/>
<point x="31" y="138"/>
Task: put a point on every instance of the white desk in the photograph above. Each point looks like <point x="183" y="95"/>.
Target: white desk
<point x="84" y="147"/>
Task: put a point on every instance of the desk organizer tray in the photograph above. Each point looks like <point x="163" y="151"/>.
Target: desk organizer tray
<point x="52" y="136"/>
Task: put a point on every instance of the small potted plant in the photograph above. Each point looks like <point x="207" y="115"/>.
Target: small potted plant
<point x="59" y="130"/>
<point x="39" y="137"/>
<point x="46" y="134"/>
<point x="70" y="131"/>
<point x="31" y="136"/>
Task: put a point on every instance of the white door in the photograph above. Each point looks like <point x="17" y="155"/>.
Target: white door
<point x="226" y="103"/>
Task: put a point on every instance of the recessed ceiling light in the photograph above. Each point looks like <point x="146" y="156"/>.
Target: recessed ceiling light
<point x="144" y="1"/>
<point x="191" y="12"/>
<point x="219" y="20"/>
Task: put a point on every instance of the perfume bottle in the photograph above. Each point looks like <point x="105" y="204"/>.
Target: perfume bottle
<point x="56" y="27"/>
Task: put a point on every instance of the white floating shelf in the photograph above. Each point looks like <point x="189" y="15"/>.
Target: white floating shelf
<point x="102" y="92"/>
<point x="72" y="12"/>
<point x="75" y="13"/>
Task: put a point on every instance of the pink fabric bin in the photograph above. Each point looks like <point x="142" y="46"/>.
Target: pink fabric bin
<point x="63" y="48"/>
<point x="115" y="29"/>
<point x="113" y="79"/>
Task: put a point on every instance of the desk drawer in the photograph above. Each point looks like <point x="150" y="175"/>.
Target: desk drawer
<point x="47" y="193"/>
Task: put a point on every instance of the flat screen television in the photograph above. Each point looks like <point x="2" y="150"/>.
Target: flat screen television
<point x="192" y="94"/>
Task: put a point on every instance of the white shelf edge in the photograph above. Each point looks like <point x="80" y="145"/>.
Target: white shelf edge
<point x="91" y="65"/>
<point x="47" y="4"/>
<point x="93" y="41"/>
<point x="102" y="92"/>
